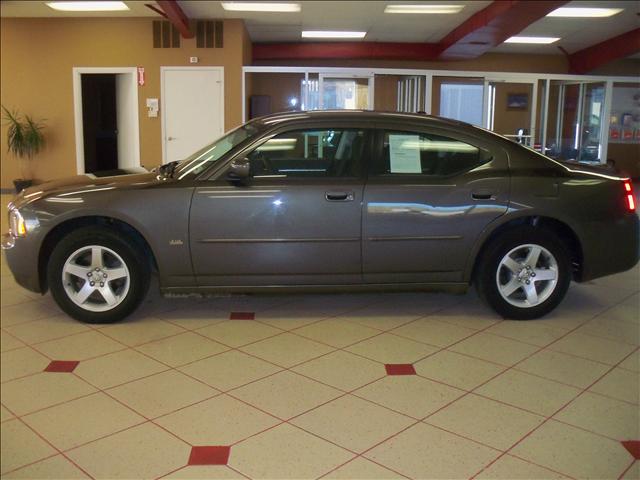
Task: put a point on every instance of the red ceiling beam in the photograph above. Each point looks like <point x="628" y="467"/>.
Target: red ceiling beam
<point x="176" y="16"/>
<point x="492" y="25"/>
<point x="345" y="50"/>
<point x="597" y="55"/>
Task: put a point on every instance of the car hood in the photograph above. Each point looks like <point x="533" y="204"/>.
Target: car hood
<point x="86" y="184"/>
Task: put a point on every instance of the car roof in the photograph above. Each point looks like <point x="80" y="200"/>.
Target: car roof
<point x="359" y="115"/>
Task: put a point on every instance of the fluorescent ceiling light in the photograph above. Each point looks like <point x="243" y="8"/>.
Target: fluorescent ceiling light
<point x="417" y="8"/>
<point x="88" y="6"/>
<point x="331" y="34"/>
<point x="539" y="40"/>
<point x="584" y="12"/>
<point x="261" y="7"/>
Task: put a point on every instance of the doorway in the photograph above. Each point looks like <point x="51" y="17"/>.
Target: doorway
<point x="106" y="120"/>
<point x="345" y="92"/>
<point x="192" y="109"/>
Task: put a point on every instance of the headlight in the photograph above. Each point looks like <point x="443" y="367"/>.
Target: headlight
<point x="17" y="225"/>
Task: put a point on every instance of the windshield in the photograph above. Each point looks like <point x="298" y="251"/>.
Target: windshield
<point x="207" y="156"/>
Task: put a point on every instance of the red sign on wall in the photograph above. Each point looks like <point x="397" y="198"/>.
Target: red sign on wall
<point x="140" y="76"/>
<point x="614" y="133"/>
<point x="627" y="134"/>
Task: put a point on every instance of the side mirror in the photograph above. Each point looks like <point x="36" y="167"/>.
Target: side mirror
<point x="239" y="170"/>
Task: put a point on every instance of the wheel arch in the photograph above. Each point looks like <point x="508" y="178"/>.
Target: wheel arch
<point x="63" y="228"/>
<point x="563" y="230"/>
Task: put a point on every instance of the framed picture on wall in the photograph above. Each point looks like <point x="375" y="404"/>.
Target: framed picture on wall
<point x="517" y="101"/>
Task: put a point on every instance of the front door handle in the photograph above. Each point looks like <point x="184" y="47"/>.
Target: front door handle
<point x="339" y="196"/>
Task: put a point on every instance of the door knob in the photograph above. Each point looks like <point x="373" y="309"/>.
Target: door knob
<point x="170" y="138"/>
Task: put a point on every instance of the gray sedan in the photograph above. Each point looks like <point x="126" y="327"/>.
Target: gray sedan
<point x="329" y="201"/>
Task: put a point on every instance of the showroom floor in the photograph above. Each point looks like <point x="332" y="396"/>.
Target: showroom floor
<point x="337" y="386"/>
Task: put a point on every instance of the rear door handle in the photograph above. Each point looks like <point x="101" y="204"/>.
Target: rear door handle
<point x="339" y="196"/>
<point x="483" y="195"/>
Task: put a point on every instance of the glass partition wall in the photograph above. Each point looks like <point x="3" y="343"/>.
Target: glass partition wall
<point x="564" y="116"/>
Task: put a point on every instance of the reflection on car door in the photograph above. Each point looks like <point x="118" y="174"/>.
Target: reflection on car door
<point x="428" y="197"/>
<point x="296" y="222"/>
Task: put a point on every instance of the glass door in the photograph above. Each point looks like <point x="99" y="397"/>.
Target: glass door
<point x="510" y="109"/>
<point x="345" y="92"/>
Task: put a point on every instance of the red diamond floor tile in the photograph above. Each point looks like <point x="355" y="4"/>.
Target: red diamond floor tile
<point x="62" y="366"/>
<point x="242" y="316"/>
<point x="633" y="447"/>
<point x="400" y="369"/>
<point x="209" y="455"/>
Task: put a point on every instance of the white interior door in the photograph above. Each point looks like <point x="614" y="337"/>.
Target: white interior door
<point x="192" y="109"/>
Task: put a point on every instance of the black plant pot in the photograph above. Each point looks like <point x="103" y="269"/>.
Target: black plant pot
<point x="21" y="184"/>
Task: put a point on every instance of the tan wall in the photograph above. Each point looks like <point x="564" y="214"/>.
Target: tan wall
<point x="279" y="86"/>
<point x="37" y="57"/>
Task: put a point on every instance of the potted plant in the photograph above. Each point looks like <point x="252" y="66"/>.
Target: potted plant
<point x="24" y="140"/>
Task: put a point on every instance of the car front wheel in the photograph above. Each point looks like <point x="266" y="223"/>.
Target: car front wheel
<point x="96" y="276"/>
<point x="525" y="273"/>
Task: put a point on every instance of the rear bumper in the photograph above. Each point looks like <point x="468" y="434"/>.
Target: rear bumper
<point x="22" y="261"/>
<point x="611" y="248"/>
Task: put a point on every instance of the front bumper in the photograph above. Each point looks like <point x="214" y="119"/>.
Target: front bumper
<point x="22" y="261"/>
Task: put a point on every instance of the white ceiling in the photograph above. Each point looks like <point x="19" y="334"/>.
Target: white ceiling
<point x="575" y="33"/>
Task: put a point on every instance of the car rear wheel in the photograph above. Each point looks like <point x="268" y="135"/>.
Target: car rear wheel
<point x="97" y="276"/>
<point x="525" y="273"/>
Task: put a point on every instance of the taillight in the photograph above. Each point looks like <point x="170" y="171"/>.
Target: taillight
<point x="628" y="190"/>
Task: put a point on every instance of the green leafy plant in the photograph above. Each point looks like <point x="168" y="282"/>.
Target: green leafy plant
<point x="25" y="138"/>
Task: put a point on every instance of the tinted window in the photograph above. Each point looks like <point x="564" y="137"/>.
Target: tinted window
<point x="412" y="153"/>
<point x="310" y="153"/>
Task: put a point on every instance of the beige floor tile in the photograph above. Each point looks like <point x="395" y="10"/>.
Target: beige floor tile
<point x="457" y="370"/>
<point x="83" y="420"/>
<point x="568" y="369"/>
<point x="286" y="452"/>
<point x="221" y="420"/>
<point x="387" y="348"/>
<point x="409" y="394"/>
<point x="294" y="316"/>
<point x="285" y="394"/>
<point x="491" y="423"/>
<point x="79" y="347"/>
<point x="13" y="297"/>
<point x="141" y="331"/>
<point x="632" y="473"/>
<point x="593" y="348"/>
<point x="194" y="316"/>
<point x="337" y="333"/>
<point x="20" y="446"/>
<point x="162" y="393"/>
<point x="607" y="416"/>
<point x="423" y="451"/>
<point x="632" y="362"/>
<point x="26" y="395"/>
<point x="46" y="329"/>
<point x="574" y="452"/>
<point x="117" y="368"/>
<point x="53" y="468"/>
<point x="512" y="468"/>
<point x="533" y="393"/>
<point x="623" y="331"/>
<point x="5" y="414"/>
<point x="182" y="349"/>
<point x="145" y="451"/>
<point x="361" y="469"/>
<point x="287" y="349"/>
<point x="362" y="424"/>
<point x="8" y="342"/>
<point x="385" y="316"/>
<point x="433" y="332"/>
<point x="20" y="362"/>
<point x="342" y="370"/>
<point x="229" y="370"/>
<point x="210" y="472"/>
<point x="473" y="315"/>
<point x="494" y="349"/>
<point x="620" y="384"/>
<point x="27" y="312"/>
<point x="528" y="332"/>
<point x="236" y="333"/>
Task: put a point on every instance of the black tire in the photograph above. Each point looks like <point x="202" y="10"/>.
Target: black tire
<point x="485" y="279"/>
<point x="130" y="252"/>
